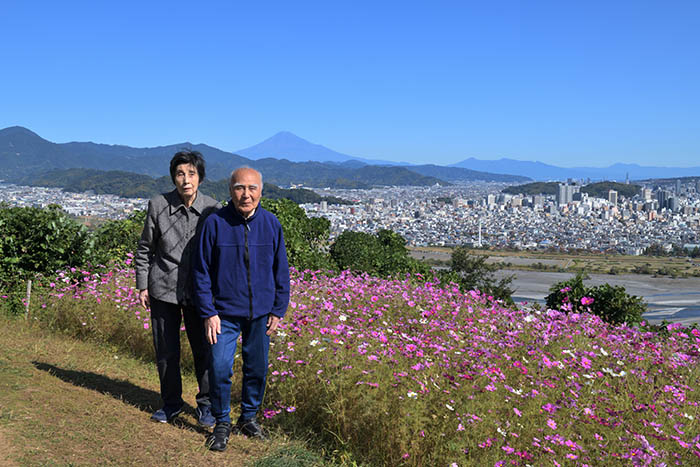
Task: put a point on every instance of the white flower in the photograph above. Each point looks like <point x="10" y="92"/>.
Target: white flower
<point x="342" y="318"/>
<point x="412" y="394"/>
<point x="450" y="407"/>
<point x="314" y="343"/>
<point x="603" y="352"/>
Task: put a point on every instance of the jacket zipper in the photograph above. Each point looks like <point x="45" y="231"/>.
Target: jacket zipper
<point x="246" y="258"/>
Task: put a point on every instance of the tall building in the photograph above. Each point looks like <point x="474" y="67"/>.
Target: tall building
<point x="646" y="194"/>
<point x="612" y="197"/>
<point x="673" y="203"/>
<point x="678" y="187"/>
<point x="565" y="194"/>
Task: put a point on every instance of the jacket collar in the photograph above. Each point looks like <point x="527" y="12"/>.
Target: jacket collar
<point x="238" y="215"/>
<point x="175" y="202"/>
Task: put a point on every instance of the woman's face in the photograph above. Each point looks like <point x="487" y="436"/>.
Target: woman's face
<point x="186" y="180"/>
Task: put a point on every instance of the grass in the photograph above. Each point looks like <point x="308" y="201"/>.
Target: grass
<point x="595" y="263"/>
<point x="69" y="402"/>
<point x="377" y="372"/>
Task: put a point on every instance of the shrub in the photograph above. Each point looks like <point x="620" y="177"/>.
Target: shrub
<point x="117" y="239"/>
<point x="612" y="303"/>
<point x="473" y="272"/>
<point x="35" y="241"/>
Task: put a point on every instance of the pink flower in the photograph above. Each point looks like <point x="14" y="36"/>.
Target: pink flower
<point x="585" y="301"/>
<point x="552" y="424"/>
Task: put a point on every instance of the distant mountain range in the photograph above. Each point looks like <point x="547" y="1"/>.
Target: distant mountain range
<point x="285" y="145"/>
<point x="544" y="172"/>
<point x="24" y="155"/>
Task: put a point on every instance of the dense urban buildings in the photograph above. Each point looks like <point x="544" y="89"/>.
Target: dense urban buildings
<point x="479" y="214"/>
<point x="471" y="214"/>
<point x="77" y="204"/>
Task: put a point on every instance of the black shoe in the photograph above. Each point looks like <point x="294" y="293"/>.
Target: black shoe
<point x="250" y="428"/>
<point x="218" y="440"/>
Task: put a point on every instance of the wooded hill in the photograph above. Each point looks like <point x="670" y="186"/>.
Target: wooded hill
<point x="596" y="190"/>
<point x="132" y="185"/>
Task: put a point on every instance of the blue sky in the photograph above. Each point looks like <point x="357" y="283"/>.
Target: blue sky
<point x="567" y="83"/>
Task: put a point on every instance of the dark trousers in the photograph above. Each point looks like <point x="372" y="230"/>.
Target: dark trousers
<point x="165" y="322"/>
<point x="254" y="348"/>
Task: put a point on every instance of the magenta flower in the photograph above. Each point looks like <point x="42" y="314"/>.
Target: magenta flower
<point x="585" y="301"/>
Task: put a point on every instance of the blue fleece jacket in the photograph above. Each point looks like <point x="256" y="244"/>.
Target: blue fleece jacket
<point x="240" y="268"/>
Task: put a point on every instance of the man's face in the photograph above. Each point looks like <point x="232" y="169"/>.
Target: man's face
<point x="246" y="190"/>
<point x="186" y="180"/>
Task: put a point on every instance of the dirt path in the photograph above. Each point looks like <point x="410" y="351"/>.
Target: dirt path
<point x="65" y="402"/>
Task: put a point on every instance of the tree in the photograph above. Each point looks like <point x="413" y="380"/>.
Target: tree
<point x="473" y="272"/>
<point x="306" y="239"/>
<point x="357" y="251"/>
<point x="384" y="254"/>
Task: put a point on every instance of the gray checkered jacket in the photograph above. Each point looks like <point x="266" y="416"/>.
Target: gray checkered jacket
<point x="168" y="241"/>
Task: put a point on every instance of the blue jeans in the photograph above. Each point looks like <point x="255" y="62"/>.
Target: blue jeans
<point x="255" y="348"/>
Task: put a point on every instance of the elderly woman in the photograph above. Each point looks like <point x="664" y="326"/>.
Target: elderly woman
<point x="162" y="261"/>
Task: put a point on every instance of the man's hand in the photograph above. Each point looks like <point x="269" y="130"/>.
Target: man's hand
<point x="143" y="298"/>
<point x="212" y="327"/>
<point x="272" y="323"/>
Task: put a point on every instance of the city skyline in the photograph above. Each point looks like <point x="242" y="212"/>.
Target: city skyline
<point x="565" y="84"/>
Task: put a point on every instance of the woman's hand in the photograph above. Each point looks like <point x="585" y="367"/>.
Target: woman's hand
<point x="143" y="298"/>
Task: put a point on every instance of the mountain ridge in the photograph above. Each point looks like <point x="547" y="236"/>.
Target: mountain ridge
<point x="541" y="171"/>
<point x="24" y="153"/>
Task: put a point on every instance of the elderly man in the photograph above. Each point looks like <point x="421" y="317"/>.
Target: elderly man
<point x="241" y="284"/>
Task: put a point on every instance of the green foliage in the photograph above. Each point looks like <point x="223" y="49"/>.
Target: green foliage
<point x="306" y="239"/>
<point x="473" y="272"/>
<point x="536" y="188"/>
<point x="35" y="240"/>
<point x="600" y="189"/>
<point x="384" y="254"/>
<point x="116" y="182"/>
<point x="655" y="249"/>
<point x="611" y="303"/>
<point x="356" y="251"/>
<point x="116" y="239"/>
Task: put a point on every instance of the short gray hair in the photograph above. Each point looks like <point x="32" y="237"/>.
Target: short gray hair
<point x="245" y="167"/>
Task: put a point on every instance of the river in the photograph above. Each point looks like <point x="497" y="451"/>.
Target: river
<point x="676" y="300"/>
